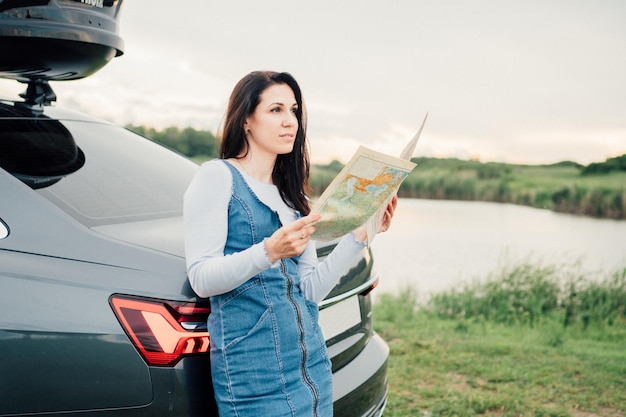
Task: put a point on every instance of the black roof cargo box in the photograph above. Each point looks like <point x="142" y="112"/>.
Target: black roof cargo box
<point x="51" y="40"/>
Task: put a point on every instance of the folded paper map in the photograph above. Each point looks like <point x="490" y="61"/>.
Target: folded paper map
<point x="359" y="194"/>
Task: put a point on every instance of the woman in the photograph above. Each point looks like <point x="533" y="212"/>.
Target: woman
<point x="248" y="248"/>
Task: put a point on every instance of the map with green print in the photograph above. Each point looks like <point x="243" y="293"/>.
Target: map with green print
<point x="359" y="194"/>
<point x="361" y="189"/>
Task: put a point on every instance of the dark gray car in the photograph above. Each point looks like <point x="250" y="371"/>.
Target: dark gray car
<point x="96" y="313"/>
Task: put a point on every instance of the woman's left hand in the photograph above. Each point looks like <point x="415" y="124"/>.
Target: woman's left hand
<point x="360" y="233"/>
<point x="391" y="208"/>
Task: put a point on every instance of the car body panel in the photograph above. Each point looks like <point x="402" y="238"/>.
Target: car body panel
<point x="91" y="233"/>
<point x="65" y="255"/>
<point x="165" y="235"/>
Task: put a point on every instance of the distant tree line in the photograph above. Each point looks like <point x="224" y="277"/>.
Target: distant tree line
<point x="598" y="189"/>
<point x="610" y="165"/>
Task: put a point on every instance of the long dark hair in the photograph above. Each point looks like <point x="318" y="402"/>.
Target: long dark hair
<point x="291" y="171"/>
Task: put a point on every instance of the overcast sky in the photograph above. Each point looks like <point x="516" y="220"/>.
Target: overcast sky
<point x="536" y="81"/>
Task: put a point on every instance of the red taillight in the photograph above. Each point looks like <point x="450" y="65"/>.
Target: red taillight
<point x="369" y="289"/>
<point x="163" y="331"/>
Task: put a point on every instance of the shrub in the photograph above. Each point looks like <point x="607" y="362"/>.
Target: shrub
<point x="526" y="293"/>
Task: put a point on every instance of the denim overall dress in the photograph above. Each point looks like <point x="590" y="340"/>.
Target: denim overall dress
<point x="268" y="354"/>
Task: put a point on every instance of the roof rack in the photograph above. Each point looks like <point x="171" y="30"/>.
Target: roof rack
<point x="38" y="94"/>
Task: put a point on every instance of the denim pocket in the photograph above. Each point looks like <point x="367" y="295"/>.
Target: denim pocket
<point x="313" y="310"/>
<point x="241" y="312"/>
<point x="252" y="361"/>
<point x="256" y="337"/>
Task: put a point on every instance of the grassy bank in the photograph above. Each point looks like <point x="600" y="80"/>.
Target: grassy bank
<point x="528" y="341"/>
<point x="564" y="187"/>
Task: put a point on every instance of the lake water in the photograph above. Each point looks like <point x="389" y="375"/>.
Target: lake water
<point x="435" y="245"/>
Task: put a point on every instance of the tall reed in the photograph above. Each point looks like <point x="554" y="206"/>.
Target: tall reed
<point x="529" y="292"/>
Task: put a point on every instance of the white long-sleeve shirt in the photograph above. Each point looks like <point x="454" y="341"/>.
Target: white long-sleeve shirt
<point x="206" y="227"/>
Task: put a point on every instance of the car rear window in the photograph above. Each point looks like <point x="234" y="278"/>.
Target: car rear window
<point x="97" y="173"/>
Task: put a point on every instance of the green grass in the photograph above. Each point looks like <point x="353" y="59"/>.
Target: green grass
<point x="473" y="352"/>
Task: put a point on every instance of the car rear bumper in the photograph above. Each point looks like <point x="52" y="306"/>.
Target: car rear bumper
<point x="360" y="388"/>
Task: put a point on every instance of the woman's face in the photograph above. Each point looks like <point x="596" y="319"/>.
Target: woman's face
<point x="272" y="128"/>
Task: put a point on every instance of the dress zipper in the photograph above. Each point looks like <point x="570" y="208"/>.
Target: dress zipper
<point x="301" y="340"/>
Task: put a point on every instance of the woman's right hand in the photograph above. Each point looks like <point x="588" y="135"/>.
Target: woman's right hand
<point x="291" y="240"/>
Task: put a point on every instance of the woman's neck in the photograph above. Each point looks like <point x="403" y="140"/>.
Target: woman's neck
<point x="256" y="167"/>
